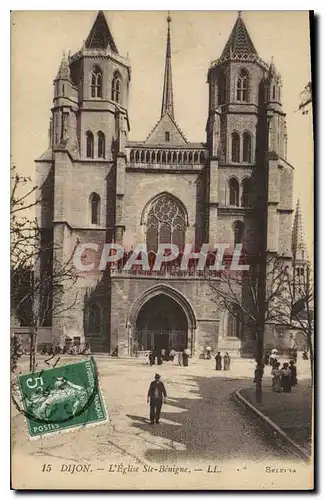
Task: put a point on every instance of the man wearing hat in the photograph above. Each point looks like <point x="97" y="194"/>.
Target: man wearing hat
<point x="155" y="396"/>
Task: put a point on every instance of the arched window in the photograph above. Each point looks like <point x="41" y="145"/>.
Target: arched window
<point x="190" y="157"/>
<point x="221" y="89"/>
<point x="101" y="145"/>
<point x="95" y="208"/>
<point x="147" y="157"/>
<point x="164" y="157"/>
<point x="90" y="144"/>
<point x="234" y="190"/>
<point x="273" y="93"/>
<point x="158" y="157"/>
<point x="169" y="157"/>
<point x="234" y="324"/>
<point x="94" y="319"/>
<point x="185" y="157"/>
<point x="116" y="87"/>
<point x="165" y="223"/>
<point x="142" y="156"/>
<point x="242" y="86"/>
<point x="235" y="147"/>
<point x="174" y="157"/>
<point x="96" y="82"/>
<point x="180" y="158"/>
<point x="137" y="156"/>
<point x="202" y="157"/>
<point x="131" y="155"/>
<point x="196" y="157"/>
<point x="153" y="156"/>
<point x="247" y="147"/>
<point x="246" y="193"/>
<point x="238" y="228"/>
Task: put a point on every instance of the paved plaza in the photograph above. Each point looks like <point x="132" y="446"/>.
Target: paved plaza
<point x="200" y="423"/>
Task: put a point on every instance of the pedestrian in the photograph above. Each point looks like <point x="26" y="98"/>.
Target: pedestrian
<point x="227" y="361"/>
<point x="180" y="358"/>
<point x="285" y="378"/>
<point x="151" y="358"/>
<point x="159" y="359"/>
<point x="185" y="357"/>
<point x="172" y="354"/>
<point x="266" y="357"/>
<point x="293" y="373"/>
<point x="295" y="353"/>
<point x="163" y="354"/>
<point x="208" y="355"/>
<point x="218" y="359"/>
<point x="276" y="378"/>
<point x="155" y="396"/>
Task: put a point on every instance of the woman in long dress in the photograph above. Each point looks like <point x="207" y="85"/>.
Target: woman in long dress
<point x="293" y="373"/>
<point x="276" y="378"/>
<point x="185" y="357"/>
<point x="218" y="359"/>
<point x="285" y="378"/>
<point x="227" y="362"/>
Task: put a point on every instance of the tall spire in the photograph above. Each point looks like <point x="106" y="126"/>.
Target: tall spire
<point x="167" y="99"/>
<point x="100" y="36"/>
<point x="297" y="240"/>
<point x="64" y="69"/>
<point x="239" y="42"/>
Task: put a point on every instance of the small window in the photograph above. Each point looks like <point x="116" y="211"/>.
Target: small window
<point x="247" y="150"/>
<point x="101" y="145"/>
<point x="90" y="143"/>
<point x="242" y="86"/>
<point x="238" y="232"/>
<point x="96" y="83"/>
<point x="235" y="147"/>
<point x="221" y="89"/>
<point x="273" y="93"/>
<point x="234" y="189"/>
<point x="116" y="87"/>
<point x="94" y="319"/>
<point x="167" y="136"/>
<point x="95" y="208"/>
<point x="246" y="193"/>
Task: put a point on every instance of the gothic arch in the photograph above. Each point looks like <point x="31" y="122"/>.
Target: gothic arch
<point x="173" y="294"/>
<point x="152" y="200"/>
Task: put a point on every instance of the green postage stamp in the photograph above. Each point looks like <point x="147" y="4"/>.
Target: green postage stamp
<point x="60" y="398"/>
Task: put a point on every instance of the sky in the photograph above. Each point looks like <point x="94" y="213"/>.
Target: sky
<point x="38" y="39"/>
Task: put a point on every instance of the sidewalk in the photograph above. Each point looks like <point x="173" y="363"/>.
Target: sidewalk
<point x="292" y="412"/>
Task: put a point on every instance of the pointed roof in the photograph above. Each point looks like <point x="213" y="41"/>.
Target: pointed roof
<point x="297" y="240"/>
<point x="167" y="98"/>
<point x="64" y="70"/>
<point x="166" y="124"/>
<point x="100" y="36"/>
<point x="239" y="41"/>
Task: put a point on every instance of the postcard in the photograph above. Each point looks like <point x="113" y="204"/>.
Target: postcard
<point x="162" y="305"/>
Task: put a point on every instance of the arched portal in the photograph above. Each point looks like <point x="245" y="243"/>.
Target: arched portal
<point x="162" y="318"/>
<point x="162" y="324"/>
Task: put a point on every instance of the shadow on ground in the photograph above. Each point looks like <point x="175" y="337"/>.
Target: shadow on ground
<point x="210" y="425"/>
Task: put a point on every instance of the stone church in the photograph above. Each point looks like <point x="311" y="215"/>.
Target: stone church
<point x="98" y="186"/>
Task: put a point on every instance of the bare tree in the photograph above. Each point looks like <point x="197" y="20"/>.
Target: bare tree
<point x="40" y="276"/>
<point x="238" y="292"/>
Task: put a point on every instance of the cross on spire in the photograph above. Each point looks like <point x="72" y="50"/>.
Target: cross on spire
<point x="167" y="98"/>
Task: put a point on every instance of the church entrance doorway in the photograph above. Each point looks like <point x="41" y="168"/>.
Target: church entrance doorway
<point x="161" y="324"/>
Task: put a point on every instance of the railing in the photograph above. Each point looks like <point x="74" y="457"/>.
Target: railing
<point x="175" y="273"/>
<point x="167" y="166"/>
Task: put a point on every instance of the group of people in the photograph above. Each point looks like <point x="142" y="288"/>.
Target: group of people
<point x="73" y="349"/>
<point x="226" y="361"/>
<point x="159" y="356"/>
<point x="283" y="379"/>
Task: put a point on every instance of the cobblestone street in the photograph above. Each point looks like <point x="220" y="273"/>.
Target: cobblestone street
<point x="200" y="424"/>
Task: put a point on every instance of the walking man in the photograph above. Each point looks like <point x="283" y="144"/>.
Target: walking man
<point x="155" y="396"/>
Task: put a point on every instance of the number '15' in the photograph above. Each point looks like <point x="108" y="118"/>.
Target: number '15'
<point x="47" y="468"/>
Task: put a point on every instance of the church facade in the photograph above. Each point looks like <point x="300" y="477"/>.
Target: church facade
<point x="98" y="187"/>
